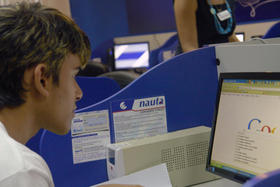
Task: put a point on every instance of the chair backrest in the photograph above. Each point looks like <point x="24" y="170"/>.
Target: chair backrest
<point x="93" y="69"/>
<point x="271" y="179"/>
<point x="273" y="31"/>
<point x="123" y="78"/>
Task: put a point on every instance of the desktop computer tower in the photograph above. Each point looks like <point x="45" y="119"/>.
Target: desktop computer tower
<point x="184" y="152"/>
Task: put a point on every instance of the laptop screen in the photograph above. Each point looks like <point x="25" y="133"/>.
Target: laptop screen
<point x="246" y="132"/>
<point x="131" y="55"/>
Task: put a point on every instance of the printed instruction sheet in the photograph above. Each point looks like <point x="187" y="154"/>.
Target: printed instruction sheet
<point x="90" y="135"/>
<point x="138" y="118"/>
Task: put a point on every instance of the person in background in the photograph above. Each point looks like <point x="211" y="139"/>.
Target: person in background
<point x="204" y="22"/>
<point x="41" y="52"/>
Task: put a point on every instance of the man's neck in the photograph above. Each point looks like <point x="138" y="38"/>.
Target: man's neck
<point x="18" y="123"/>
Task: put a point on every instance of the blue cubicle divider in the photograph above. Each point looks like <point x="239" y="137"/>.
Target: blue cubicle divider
<point x="57" y="150"/>
<point x="34" y="142"/>
<point x="95" y="89"/>
<point x="273" y="31"/>
<point x="189" y="84"/>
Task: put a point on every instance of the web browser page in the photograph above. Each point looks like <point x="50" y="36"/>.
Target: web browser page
<point x="247" y="133"/>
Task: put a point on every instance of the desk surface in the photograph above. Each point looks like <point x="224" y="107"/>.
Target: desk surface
<point x="219" y="183"/>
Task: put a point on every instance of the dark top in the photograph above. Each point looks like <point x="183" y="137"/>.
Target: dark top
<point x="206" y="30"/>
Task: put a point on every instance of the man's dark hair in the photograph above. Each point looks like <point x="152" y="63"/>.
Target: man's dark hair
<point x="30" y="34"/>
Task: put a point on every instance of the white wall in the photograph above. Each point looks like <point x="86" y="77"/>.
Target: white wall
<point x="254" y="29"/>
<point x="62" y="5"/>
<point x="155" y="40"/>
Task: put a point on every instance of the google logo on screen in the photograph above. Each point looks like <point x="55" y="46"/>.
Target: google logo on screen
<point x="260" y="127"/>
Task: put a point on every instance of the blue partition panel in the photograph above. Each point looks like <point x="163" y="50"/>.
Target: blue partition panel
<point x="273" y="31"/>
<point x="57" y="151"/>
<point x="95" y="89"/>
<point x="34" y="142"/>
<point x="188" y="82"/>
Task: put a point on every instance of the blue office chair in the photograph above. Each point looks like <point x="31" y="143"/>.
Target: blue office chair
<point x="57" y="149"/>
<point x="123" y="78"/>
<point x="270" y="179"/>
<point x="273" y="32"/>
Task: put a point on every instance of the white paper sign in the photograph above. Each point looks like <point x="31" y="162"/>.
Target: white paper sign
<point x="90" y="135"/>
<point x="139" y="118"/>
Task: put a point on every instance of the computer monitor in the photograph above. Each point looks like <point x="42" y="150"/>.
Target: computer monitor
<point x="240" y="36"/>
<point x="246" y="132"/>
<point x="131" y="55"/>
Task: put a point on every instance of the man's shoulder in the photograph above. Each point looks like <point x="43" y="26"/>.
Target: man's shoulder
<point x="16" y="157"/>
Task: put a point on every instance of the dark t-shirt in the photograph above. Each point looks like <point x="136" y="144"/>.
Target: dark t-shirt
<point x="206" y="30"/>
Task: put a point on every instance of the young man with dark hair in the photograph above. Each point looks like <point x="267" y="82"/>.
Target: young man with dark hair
<point x="41" y="51"/>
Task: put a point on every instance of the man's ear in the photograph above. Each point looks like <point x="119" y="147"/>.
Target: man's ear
<point x="42" y="83"/>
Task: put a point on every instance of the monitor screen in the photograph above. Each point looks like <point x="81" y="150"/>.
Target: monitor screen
<point x="131" y="55"/>
<point x="240" y="36"/>
<point x="246" y="132"/>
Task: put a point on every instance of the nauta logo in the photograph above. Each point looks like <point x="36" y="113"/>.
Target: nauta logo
<point x="259" y="126"/>
<point x="123" y="106"/>
<point x="151" y="102"/>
